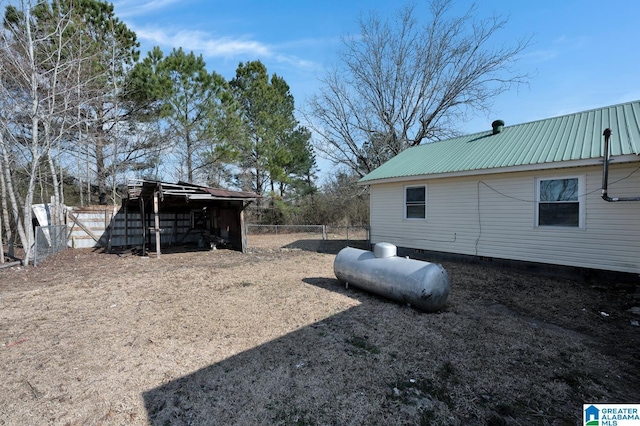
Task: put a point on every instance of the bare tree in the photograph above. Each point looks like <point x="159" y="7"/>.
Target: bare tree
<point x="35" y="85"/>
<point x="21" y="114"/>
<point x="3" y="202"/>
<point x="401" y="83"/>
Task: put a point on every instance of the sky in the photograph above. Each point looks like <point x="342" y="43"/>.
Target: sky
<point x="582" y="53"/>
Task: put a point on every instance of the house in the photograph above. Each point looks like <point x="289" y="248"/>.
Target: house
<point x="537" y="194"/>
<point x="591" y="415"/>
<point x="159" y="215"/>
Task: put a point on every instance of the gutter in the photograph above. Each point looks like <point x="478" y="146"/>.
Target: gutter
<point x="605" y="172"/>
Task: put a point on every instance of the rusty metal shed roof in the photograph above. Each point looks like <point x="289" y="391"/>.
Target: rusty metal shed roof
<point x="144" y="188"/>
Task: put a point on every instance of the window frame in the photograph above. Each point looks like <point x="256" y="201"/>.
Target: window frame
<point x="405" y="202"/>
<point x="580" y="201"/>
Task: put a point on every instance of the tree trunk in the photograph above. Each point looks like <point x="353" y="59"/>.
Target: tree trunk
<point x="57" y="220"/>
<point x="1" y="245"/>
<point x="5" y="209"/>
<point x="15" y="211"/>
<point x="101" y="172"/>
<point x="189" y="161"/>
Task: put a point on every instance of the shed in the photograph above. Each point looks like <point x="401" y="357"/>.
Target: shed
<point x="536" y="192"/>
<point x="158" y="214"/>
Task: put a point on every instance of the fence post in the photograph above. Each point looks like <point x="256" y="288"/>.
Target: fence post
<point x="324" y="232"/>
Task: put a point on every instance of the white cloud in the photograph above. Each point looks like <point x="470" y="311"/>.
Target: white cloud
<point x="572" y="42"/>
<point x="225" y="47"/>
<point x="221" y="47"/>
<point x="203" y="42"/>
<point x="540" y="55"/>
<point x="130" y="8"/>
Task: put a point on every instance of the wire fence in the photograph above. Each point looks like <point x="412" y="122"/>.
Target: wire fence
<point x="349" y="233"/>
<point x="320" y="238"/>
<point x="49" y="240"/>
<point x="284" y="229"/>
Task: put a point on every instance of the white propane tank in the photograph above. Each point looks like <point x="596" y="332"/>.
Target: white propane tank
<point x="423" y="285"/>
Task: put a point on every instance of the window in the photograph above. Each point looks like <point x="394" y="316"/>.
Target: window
<point x="415" y="202"/>
<point x="559" y="203"/>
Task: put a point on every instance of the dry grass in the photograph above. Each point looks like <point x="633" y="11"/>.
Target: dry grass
<point x="271" y="337"/>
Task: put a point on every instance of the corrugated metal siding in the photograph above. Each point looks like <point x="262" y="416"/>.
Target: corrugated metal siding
<point x="494" y="217"/>
<point x="96" y="222"/>
<point x="175" y="228"/>
<point x="570" y="137"/>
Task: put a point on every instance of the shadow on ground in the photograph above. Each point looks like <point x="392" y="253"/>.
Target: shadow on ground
<point x="327" y="246"/>
<point x="306" y="377"/>
<point x="380" y="363"/>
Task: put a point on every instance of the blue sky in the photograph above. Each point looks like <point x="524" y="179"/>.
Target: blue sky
<point x="582" y="53"/>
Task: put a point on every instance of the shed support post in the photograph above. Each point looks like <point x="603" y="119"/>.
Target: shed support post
<point x="243" y="233"/>
<point x="143" y="223"/>
<point x="156" y="222"/>
<point x="126" y="224"/>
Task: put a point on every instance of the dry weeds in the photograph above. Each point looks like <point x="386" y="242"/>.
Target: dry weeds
<point x="271" y="337"/>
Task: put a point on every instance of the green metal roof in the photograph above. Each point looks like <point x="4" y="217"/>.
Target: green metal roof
<point x="569" y="137"/>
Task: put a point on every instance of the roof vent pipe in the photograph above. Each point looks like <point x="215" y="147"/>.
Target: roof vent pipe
<point x="605" y="171"/>
<point x="498" y="126"/>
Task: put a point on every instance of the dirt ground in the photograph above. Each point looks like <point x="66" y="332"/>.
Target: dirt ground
<point x="271" y="337"/>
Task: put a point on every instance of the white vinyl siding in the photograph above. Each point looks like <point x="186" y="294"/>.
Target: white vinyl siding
<point x="494" y="216"/>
